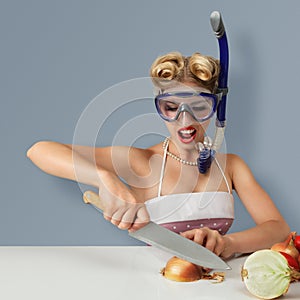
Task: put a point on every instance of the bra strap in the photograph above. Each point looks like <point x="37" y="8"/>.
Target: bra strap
<point x="225" y="179"/>
<point x="162" y="169"/>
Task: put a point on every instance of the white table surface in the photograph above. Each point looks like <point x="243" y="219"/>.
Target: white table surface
<point x="72" y="273"/>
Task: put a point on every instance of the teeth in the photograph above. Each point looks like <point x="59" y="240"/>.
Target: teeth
<point x="190" y="131"/>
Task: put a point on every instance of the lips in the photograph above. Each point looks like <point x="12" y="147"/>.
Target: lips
<point x="187" y="134"/>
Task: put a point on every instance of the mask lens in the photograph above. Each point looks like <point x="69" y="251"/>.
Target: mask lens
<point x="168" y="108"/>
<point x="200" y="106"/>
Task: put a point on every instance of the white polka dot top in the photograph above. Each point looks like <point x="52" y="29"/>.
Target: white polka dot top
<point x="186" y="211"/>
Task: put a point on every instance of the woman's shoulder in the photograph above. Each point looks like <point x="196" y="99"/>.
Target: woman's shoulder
<point x="233" y="162"/>
<point x="142" y="161"/>
<point x="233" y="158"/>
<point x="229" y="159"/>
<point x="129" y="151"/>
<point x="238" y="168"/>
<point x="145" y="153"/>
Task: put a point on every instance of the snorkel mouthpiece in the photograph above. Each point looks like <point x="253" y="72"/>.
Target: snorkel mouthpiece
<point x="207" y="152"/>
<point x="206" y="155"/>
<point x="205" y="159"/>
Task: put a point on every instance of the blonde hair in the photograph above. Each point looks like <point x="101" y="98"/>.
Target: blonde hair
<point x="173" y="67"/>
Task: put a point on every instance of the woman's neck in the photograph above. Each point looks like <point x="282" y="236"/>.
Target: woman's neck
<point x="188" y="153"/>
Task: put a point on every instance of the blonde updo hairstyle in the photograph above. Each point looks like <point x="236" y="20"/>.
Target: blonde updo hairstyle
<point x="173" y="67"/>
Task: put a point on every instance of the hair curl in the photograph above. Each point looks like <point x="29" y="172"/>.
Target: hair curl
<point x="173" y="67"/>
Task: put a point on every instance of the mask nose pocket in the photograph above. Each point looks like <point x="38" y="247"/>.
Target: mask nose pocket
<point x="185" y="115"/>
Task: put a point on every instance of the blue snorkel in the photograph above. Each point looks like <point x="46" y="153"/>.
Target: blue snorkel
<point x="208" y="149"/>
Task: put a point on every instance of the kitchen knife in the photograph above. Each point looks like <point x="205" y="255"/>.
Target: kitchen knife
<point x="167" y="240"/>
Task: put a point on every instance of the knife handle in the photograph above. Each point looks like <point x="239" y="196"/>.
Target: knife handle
<point x="90" y="197"/>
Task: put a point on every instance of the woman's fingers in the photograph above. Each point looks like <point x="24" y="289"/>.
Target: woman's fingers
<point x="142" y="219"/>
<point x="197" y="235"/>
<point x="189" y="234"/>
<point x="131" y="216"/>
<point x="220" y="246"/>
<point x="127" y="218"/>
<point x="211" y="239"/>
<point x="119" y="203"/>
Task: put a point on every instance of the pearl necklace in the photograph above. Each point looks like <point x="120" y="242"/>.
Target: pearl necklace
<point x="165" y="146"/>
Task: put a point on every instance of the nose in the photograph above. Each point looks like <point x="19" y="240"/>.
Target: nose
<point x="185" y="119"/>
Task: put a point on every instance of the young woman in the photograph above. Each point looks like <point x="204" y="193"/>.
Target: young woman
<point x="163" y="182"/>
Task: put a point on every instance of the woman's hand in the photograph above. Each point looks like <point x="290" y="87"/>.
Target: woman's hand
<point x="210" y="239"/>
<point x="121" y="207"/>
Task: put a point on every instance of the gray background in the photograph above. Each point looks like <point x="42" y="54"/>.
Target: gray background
<point x="57" y="55"/>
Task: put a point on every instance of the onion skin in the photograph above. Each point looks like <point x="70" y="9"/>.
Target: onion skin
<point x="181" y="270"/>
<point x="287" y="246"/>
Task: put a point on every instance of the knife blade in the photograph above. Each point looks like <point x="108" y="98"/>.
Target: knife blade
<point x="162" y="238"/>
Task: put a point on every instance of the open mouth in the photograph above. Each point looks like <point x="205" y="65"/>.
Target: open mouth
<point x="187" y="134"/>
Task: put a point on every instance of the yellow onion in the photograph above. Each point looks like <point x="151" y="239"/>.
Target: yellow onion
<point x="267" y="275"/>
<point x="181" y="270"/>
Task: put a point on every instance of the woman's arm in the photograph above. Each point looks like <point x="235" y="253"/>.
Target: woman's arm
<point x="81" y="163"/>
<point x="58" y="159"/>
<point x="270" y="225"/>
<point x="96" y="167"/>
